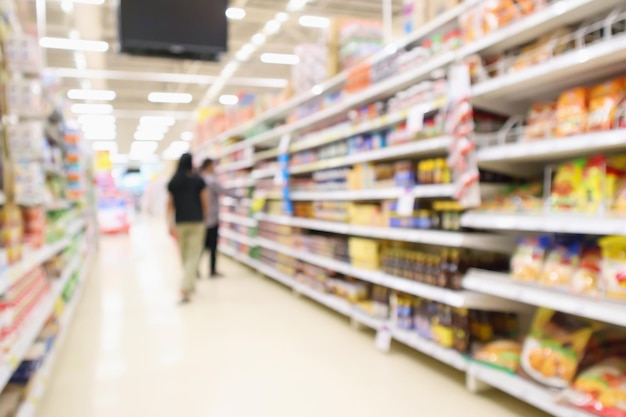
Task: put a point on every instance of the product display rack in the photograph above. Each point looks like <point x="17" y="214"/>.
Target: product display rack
<point x="589" y="62"/>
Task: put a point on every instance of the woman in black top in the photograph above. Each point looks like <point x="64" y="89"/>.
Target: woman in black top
<point x="187" y="205"/>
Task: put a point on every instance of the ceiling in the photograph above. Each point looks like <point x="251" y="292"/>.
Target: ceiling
<point x="133" y="78"/>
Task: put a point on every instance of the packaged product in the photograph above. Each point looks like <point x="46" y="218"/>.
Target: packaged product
<point x="567" y="186"/>
<point x="599" y="171"/>
<point x="614" y="266"/>
<point x="498" y="13"/>
<point x="562" y="260"/>
<point x="527" y="261"/>
<point x="501" y="354"/>
<point x="586" y="278"/>
<point x="541" y="121"/>
<point x="554" y="347"/>
<point x="604" y="100"/>
<point x="601" y="389"/>
<point x="571" y="112"/>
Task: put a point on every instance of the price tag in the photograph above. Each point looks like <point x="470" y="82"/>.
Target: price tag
<point x="406" y="204"/>
<point x="383" y="339"/>
<point x="415" y="119"/>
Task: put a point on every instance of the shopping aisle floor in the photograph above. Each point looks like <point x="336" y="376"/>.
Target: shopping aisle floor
<point x="246" y="347"/>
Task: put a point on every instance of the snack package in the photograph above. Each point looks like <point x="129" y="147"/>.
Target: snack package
<point x="541" y="121"/>
<point x="501" y="354"/>
<point x="571" y="112"/>
<point x="566" y="187"/>
<point x="604" y="100"/>
<point x="498" y="13"/>
<point x="554" y="347"/>
<point x="527" y="261"/>
<point x="614" y="266"/>
<point x="601" y="389"/>
<point x="560" y="264"/>
<point x="586" y="278"/>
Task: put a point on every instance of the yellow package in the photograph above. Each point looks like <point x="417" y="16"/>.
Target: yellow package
<point x="614" y="266"/>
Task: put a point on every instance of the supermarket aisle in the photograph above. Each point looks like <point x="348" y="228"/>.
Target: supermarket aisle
<point x="245" y="347"/>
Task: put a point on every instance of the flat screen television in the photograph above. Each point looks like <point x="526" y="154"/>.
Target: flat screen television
<point x="186" y="29"/>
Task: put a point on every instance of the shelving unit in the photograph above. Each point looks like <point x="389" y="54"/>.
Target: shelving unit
<point x="509" y="94"/>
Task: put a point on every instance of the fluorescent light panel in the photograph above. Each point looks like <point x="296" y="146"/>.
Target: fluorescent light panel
<point x="100" y="135"/>
<point x="282" y="59"/>
<point x="73" y="44"/>
<point x="229" y="99"/>
<point x="92" y="108"/>
<point x="176" y="98"/>
<point x="107" y="145"/>
<point x="100" y="120"/>
<point x="235" y="13"/>
<point x="187" y="136"/>
<point x="104" y="95"/>
<point x="143" y="148"/>
<point x="314" y="21"/>
<point x="148" y="136"/>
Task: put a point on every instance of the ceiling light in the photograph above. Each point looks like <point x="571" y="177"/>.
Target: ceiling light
<point x="314" y="22"/>
<point x="259" y="39"/>
<point x="73" y="44"/>
<point x="235" y="13"/>
<point x="67" y="6"/>
<point x="295" y="5"/>
<point x="149" y="136"/>
<point x="272" y="27"/>
<point x="229" y="99"/>
<point x="187" y="136"/>
<point x="179" y="146"/>
<point x="105" y="95"/>
<point x="157" y="120"/>
<point x="281" y="17"/>
<point x="177" y="98"/>
<point x="102" y="120"/>
<point x="143" y="148"/>
<point x="108" y="145"/>
<point x="92" y="108"/>
<point x="284" y="59"/>
<point x="154" y="129"/>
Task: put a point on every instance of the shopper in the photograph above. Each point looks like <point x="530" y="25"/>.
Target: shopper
<point x="187" y="204"/>
<point x="212" y="215"/>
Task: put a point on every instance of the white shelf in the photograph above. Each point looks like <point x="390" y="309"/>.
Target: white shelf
<point x="420" y="191"/>
<point x="510" y="93"/>
<point x="428" y="347"/>
<point x="552" y="223"/>
<point x="240" y="183"/>
<point x="502" y="285"/>
<point x="265" y="173"/>
<point x="235" y="166"/>
<point x="28" y="408"/>
<point x="235" y="219"/>
<point x="454" y="298"/>
<point x="238" y="237"/>
<point x="426" y="147"/>
<point x="522" y="389"/>
<point x="33" y="324"/>
<point x="35" y="258"/>
<point x="504" y="244"/>
<point x="519" y="154"/>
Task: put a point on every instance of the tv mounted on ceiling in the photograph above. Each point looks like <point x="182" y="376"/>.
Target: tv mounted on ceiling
<point x="185" y="29"/>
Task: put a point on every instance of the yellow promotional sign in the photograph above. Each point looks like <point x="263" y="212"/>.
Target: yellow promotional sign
<point x="102" y="161"/>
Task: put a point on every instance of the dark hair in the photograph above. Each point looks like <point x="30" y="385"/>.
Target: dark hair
<point x="207" y="163"/>
<point x="184" y="169"/>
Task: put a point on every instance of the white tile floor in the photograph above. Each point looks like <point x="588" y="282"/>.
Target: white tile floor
<point x="246" y="347"/>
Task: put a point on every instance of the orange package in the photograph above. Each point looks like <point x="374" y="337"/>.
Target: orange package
<point x="571" y="112"/>
<point x="604" y="101"/>
<point x="499" y="13"/>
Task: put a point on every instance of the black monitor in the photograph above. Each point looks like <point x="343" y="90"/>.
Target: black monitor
<point x="186" y="29"/>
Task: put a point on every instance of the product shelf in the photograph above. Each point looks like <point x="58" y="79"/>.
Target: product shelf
<point x="426" y="147"/>
<point x="39" y="256"/>
<point x="240" y="220"/>
<point x="515" y="156"/>
<point x="544" y="222"/>
<point x="448" y="356"/>
<point x="453" y="298"/>
<point x="511" y="92"/>
<point x="238" y="237"/>
<point x="35" y="322"/>
<point x="39" y="385"/>
<point x="265" y="173"/>
<point x="235" y="166"/>
<point x="240" y="183"/>
<point x="482" y="241"/>
<point x="420" y="191"/>
<point x="521" y="389"/>
<point x="502" y="285"/>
